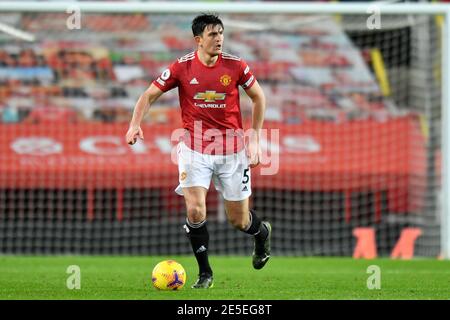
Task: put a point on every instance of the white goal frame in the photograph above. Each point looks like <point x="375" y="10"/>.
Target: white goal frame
<point x="292" y="8"/>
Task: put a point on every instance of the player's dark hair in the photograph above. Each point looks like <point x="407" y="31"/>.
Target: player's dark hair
<point x="200" y="22"/>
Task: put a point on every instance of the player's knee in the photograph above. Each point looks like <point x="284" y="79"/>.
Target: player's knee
<point x="239" y="222"/>
<point x="196" y="213"/>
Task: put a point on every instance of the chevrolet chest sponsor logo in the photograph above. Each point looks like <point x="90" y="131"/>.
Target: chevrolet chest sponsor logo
<point x="210" y="96"/>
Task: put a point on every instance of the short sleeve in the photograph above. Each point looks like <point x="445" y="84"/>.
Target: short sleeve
<point x="168" y="78"/>
<point x="247" y="78"/>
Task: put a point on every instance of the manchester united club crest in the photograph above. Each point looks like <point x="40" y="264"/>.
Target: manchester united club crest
<point x="225" y="80"/>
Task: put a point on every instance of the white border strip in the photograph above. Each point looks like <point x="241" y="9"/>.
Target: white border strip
<point x="230" y="7"/>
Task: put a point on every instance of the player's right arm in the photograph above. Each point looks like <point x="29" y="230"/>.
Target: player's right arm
<point x="165" y="82"/>
<point x="142" y="105"/>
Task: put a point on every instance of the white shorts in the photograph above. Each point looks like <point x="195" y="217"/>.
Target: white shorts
<point x="230" y="173"/>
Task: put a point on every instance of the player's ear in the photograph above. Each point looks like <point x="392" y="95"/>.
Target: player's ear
<point x="198" y="40"/>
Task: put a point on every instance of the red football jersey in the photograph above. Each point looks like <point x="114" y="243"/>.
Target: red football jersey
<point x="209" y="100"/>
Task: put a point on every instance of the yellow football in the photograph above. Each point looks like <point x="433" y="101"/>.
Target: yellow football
<point x="168" y="275"/>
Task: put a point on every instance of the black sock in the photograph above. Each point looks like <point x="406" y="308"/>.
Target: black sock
<point x="256" y="228"/>
<point x="199" y="238"/>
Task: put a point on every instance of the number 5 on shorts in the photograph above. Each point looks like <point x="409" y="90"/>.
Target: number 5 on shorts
<point x="246" y="177"/>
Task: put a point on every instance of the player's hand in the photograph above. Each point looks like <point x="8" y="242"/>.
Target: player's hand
<point x="133" y="133"/>
<point x="254" y="152"/>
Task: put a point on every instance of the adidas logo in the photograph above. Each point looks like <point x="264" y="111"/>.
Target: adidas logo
<point x="194" y="81"/>
<point x="201" y="249"/>
<point x="245" y="188"/>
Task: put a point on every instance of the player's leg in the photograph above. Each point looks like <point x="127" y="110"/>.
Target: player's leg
<point x="233" y="179"/>
<point x="195" y="198"/>
<point x="246" y="220"/>
<point x="195" y="171"/>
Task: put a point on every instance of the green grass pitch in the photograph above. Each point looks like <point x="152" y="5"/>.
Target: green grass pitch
<point x="283" y="278"/>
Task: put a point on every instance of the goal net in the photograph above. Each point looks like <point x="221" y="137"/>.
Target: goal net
<point x="356" y="163"/>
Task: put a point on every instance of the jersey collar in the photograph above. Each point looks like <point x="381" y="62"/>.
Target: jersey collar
<point x="209" y="67"/>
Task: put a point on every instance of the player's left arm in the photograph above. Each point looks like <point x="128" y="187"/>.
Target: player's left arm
<point x="256" y="94"/>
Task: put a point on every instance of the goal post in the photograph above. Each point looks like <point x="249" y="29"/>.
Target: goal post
<point x="445" y="230"/>
<point x="362" y="9"/>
